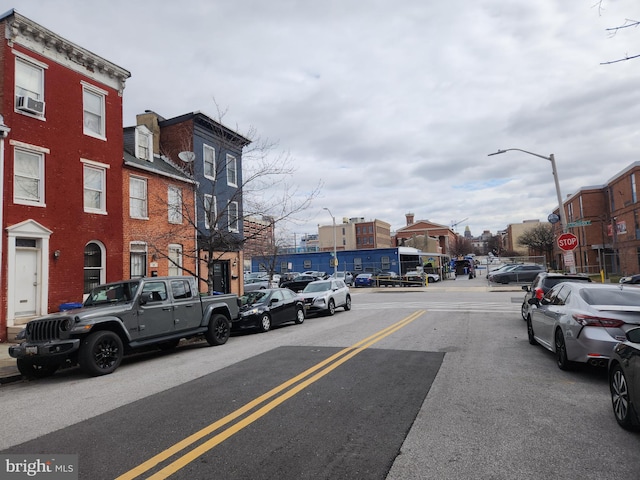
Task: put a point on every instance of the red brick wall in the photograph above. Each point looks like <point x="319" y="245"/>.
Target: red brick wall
<point x="156" y="231"/>
<point x="62" y="134"/>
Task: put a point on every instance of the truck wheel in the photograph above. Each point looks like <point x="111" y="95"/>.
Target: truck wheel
<point x="34" y="370"/>
<point x="219" y="330"/>
<point x="100" y="353"/>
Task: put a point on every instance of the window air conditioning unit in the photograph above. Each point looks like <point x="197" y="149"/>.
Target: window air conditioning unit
<point x="30" y="104"/>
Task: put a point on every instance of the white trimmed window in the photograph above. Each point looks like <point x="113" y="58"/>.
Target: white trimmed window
<point x="93" y="101"/>
<point x="232" y="217"/>
<point x="209" y="158"/>
<point x="144" y="143"/>
<point x="175" y="259"/>
<point x="95" y="189"/>
<point x="29" y="82"/>
<point x="138" y="259"/>
<point x="209" y="212"/>
<point x="232" y="171"/>
<point x="28" y="177"/>
<point x="138" y="197"/>
<point x="174" y="201"/>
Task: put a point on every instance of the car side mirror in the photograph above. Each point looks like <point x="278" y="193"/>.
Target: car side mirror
<point x="533" y="301"/>
<point x="145" y="298"/>
<point x="273" y="300"/>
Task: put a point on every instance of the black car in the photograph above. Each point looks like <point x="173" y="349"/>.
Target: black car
<point x="632" y="279"/>
<point x="263" y="309"/>
<point x="519" y="273"/>
<point x="542" y="284"/>
<point x="624" y="381"/>
<point x="298" y="283"/>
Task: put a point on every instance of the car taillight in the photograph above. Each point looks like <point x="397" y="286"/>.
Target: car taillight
<point x="539" y="293"/>
<point x="591" y="321"/>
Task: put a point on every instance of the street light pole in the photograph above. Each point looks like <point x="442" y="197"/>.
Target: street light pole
<point x="335" y="256"/>
<point x="552" y="159"/>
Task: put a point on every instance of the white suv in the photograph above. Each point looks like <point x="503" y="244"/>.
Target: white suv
<point x="324" y="296"/>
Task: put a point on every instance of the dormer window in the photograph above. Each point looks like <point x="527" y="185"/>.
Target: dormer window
<point x="144" y="143"/>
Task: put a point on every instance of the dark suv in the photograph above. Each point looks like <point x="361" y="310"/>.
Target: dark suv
<point x="518" y="274"/>
<point x="542" y="284"/>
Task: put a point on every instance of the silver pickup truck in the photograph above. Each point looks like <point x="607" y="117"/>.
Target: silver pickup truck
<point x="120" y="317"/>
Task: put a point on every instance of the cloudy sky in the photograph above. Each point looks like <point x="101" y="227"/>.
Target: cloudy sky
<point x="393" y="105"/>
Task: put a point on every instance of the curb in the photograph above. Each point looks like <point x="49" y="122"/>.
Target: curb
<point x="9" y="374"/>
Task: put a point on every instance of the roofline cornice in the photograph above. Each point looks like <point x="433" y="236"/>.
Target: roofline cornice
<point x="26" y="32"/>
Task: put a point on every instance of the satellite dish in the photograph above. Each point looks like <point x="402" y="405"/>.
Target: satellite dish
<point x="187" y="157"/>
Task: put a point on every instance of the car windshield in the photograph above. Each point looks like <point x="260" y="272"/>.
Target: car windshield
<point x="317" y="287"/>
<point x="112" y="293"/>
<point x="628" y="297"/>
<point x="251" y="298"/>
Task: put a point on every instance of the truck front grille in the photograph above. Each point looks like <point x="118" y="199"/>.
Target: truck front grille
<point x="45" y="330"/>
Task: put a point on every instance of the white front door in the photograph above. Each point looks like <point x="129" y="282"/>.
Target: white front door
<point x="26" y="296"/>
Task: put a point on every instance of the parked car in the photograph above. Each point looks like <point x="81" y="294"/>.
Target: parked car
<point x="251" y="276"/>
<point x="298" y="283"/>
<point x="123" y="316"/>
<point x="504" y="268"/>
<point x="256" y="284"/>
<point x="387" y="279"/>
<point x="316" y="273"/>
<point x="365" y="280"/>
<point x="324" y="296"/>
<point x="519" y="273"/>
<point x="632" y="279"/>
<point x="624" y="380"/>
<point x="264" y="309"/>
<point x="416" y="279"/>
<point x="542" y="284"/>
<point x="346" y="277"/>
<point x="582" y="322"/>
<point x="285" y="277"/>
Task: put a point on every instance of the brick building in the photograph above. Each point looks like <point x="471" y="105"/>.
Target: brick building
<point x="606" y="220"/>
<point x="212" y="155"/>
<point x="62" y="171"/>
<point x="158" y="203"/>
<point x="355" y="233"/>
<point x="446" y="237"/>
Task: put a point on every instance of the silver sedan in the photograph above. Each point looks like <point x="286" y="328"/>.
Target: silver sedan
<point x="583" y="322"/>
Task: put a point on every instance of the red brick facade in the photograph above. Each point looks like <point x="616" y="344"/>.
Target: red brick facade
<point x="609" y="239"/>
<point x="69" y="168"/>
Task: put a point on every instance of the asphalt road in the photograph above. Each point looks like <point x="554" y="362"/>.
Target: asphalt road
<point x="414" y="385"/>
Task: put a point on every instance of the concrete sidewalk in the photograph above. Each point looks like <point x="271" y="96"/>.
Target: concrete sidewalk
<point x="8" y="369"/>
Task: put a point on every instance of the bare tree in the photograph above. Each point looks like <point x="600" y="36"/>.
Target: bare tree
<point x="264" y="189"/>
<point x="460" y="246"/>
<point x="540" y="240"/>
<point x="613" y="31"/>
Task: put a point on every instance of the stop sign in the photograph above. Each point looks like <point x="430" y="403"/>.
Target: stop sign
<point x="567" y="241"/>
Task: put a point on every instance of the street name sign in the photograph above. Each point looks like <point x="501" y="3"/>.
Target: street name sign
<point x="579" y="223"/>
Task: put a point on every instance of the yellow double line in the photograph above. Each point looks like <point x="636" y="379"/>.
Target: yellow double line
<point x="322" y="369"/>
